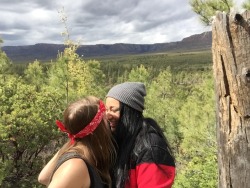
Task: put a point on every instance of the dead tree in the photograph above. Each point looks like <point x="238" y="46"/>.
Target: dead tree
<point x="231" y="66"/>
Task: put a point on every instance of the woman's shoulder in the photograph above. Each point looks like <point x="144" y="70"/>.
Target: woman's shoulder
<point x="155" y="135"/>
<point x="74" y="166"/>
<point x="154" y="148"/>
<point x="70" y="174"/>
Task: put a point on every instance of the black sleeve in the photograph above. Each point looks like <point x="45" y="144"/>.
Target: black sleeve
<point x="156" y="153"/>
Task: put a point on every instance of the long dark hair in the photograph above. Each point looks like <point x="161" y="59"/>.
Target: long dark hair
<point x="132" y="136"/>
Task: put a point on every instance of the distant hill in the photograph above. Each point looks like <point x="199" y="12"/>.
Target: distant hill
<point x="47" y="52"/>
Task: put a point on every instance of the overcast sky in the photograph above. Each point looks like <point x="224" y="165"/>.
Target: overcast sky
<point x="27" y="22"/>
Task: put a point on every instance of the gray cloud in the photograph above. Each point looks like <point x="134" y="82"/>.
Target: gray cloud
<point x="93" y="21"/>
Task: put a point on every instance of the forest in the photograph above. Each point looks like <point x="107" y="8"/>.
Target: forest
<point x="180" y="96"/>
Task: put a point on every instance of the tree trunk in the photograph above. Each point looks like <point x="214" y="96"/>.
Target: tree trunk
<point x="231" y="66"/>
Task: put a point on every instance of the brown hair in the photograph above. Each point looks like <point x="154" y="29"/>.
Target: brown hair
<point x="99" y="149"/>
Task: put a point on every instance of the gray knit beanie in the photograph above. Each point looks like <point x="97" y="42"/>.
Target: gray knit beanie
<point x="130" y="93"/>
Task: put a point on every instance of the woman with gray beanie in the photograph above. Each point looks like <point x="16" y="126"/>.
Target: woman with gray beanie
<point x="144" y="156"/>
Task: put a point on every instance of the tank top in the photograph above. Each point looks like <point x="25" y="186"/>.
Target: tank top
<point x="95" y="179"/>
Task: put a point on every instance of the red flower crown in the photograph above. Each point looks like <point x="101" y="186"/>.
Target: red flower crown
<point x="89" y="128"/>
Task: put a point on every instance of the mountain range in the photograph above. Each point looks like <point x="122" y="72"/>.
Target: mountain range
<point x="47" y="52"/>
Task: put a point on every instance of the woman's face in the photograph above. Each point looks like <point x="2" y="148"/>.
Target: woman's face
<point x="112" y="112"/>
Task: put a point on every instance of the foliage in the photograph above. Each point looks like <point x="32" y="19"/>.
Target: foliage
<point x="140" y="74"/>
<point x="97" y="81"/>
<point x="246" y="5"/>
<point x="199" y="172"/>
<point x="4" y="63"/>
<point x="197" y="160"/>
<point x="25" y="114"/>
<point x="31" y="103"/>
<point x="34" y="75"/>
<point x="206" y="9"/>
<point x="178" y="97"/>
<point x="181" y="103"/>
<point x="71" y="76"/>
<point x="117" y="68"/>
<point x="162" y="103"/>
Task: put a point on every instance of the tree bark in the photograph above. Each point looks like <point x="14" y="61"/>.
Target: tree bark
<point x="231" y="67"/>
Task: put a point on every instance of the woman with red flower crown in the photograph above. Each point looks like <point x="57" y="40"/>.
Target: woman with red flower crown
<point x="85" y="160"/>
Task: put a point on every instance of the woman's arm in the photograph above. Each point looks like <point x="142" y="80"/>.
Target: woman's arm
<point x="45" y="174"/>
<point x="156" y="167"/>
<point x="155" y="175"/>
